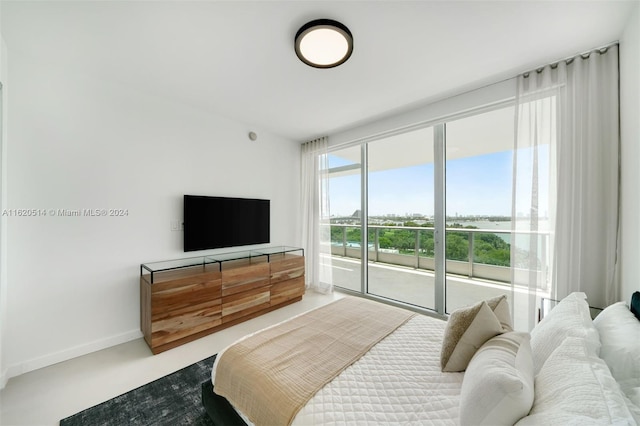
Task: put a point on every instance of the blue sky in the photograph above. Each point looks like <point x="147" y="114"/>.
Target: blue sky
<point x="479" y="185"/>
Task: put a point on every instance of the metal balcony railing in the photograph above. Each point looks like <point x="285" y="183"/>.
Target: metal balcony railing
<point x="418" y="252"/>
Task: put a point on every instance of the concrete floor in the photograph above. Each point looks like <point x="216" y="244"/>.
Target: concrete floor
<point x="45" y="396"/>
<point x="416" y="287"/>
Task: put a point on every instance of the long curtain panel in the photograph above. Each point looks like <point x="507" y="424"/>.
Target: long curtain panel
<point x="565" y="190"/>
<point x="316" y="231"/>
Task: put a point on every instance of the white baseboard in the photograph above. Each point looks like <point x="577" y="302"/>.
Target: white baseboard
<point x="66" y="354"/>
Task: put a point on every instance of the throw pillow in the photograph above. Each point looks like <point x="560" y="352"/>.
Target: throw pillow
<point x="500" y="307"/>
<point x="467" y="330"/>
<point x="497" y="388"/>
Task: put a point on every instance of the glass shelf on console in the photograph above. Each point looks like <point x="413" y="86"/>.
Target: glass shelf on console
<point x="239" y="258"/>
<point x="280" y="252"/>
<point x="171" y="269"/>
<point x="166" y="270"/>
<point x="261" y="255"/>
<point x="235" y="255"/>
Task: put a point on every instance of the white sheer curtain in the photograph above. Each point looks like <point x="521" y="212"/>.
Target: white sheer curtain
<point x="565" y="189"/>
<point x="316" y="232"/>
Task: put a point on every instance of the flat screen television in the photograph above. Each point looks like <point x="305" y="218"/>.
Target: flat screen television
<point x="216" y="222"/>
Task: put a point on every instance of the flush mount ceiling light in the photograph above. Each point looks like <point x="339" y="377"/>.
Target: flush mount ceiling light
<point x="323" y="43"/>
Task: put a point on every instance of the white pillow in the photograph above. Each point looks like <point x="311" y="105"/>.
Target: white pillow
<point x="570" y="317"/>
<point x="497" y="388"/>
<point x="632" y="398"/>
<point x="575" y="387"/>
<point x="619" y="333"/>
<point x="631" y="388"/>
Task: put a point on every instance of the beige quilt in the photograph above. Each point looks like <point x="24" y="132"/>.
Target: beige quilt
<point x="272" y="374"/>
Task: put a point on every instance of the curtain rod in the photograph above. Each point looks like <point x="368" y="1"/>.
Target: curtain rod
<point x="584" y="55"/>
<point x="601" y="49"/>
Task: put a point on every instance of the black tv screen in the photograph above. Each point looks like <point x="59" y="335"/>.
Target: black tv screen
<point x="216" y="222"/>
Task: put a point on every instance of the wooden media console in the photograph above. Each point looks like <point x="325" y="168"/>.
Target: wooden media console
<point x="182" y="300"/>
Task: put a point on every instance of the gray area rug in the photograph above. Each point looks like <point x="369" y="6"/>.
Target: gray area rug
<point x="174" y="399"/>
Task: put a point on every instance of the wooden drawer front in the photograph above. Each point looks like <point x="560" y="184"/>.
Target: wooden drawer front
<point x="287" y="290"/>
<point x="167" y="301"/>
<point x="245" y="278"/>
<point x="179" y="326"/>
<point x="212" y="306"/>
<point x="246" y="314"/>
<point x="245" y="303"/>
<point x="287" y="269"/>
<point x="187" y="276"/>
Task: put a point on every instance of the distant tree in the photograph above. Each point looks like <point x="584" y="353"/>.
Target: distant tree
<point x="427" y="243"/>
<point x="385" y="242"/>
<point x="490" y="249"/>
<point x="354" y="235"/>
<point x="336" y="234"/>
<point x="457" y="246"/>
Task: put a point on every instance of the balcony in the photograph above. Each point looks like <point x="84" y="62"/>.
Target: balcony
<point x="401" y="263"/>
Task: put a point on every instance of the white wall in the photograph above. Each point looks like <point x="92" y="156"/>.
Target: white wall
<point x="3" y="221"/>
<point x="77" y="142"/>
<point x="630" y="151"/>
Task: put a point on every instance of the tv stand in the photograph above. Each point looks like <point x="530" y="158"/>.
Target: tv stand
<point x="184" y="299"/>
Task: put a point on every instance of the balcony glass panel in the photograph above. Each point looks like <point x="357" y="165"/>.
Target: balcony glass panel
<point x="346" y="217"/>
<point x="479" y="162"/>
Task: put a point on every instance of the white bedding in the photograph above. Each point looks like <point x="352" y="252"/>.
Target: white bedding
<point x="398" y="381"/>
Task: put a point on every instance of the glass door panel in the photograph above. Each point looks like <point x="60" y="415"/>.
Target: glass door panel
<point x="400" y="218"/>
<point x="346" y="217"/>
<point x="479" y="167"/>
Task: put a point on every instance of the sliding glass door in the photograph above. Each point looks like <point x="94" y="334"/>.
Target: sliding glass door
<point x="437" y="203"/>
<point x="400" y="218"/>
<point x="346" y="217"/>
<point x="479" y="165"/>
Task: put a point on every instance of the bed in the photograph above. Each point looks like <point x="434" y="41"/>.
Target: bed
<point x="558" y="374"/>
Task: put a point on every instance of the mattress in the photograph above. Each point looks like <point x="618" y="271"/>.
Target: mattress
<point x="397" y="381"/>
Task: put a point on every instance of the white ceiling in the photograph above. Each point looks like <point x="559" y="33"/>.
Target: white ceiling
<point x="236" y="58"/>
